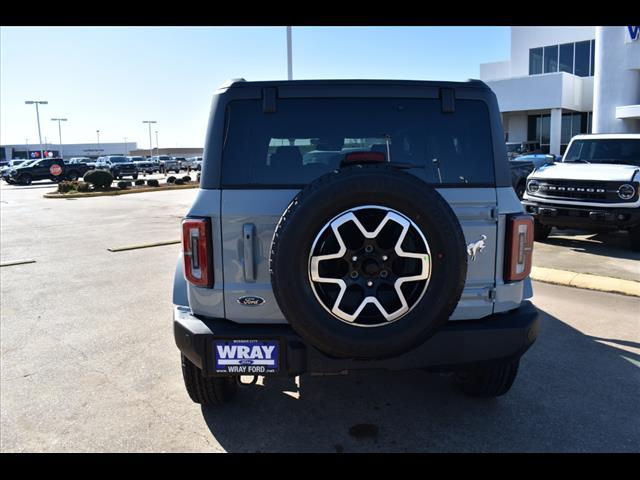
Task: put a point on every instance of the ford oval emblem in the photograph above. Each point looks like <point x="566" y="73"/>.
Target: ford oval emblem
<point x="251" y="301"/>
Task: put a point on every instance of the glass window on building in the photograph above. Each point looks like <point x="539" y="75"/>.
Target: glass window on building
<point x="593" y="57"/>
<point x="566" y="57"/>
<point x="535" y="61"/>
<point x="582" y="61"/>
<point x="539" y="130"/>
<point x="551" y="59"/>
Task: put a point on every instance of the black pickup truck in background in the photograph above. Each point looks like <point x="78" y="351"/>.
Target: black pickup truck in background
<point x="53" y="169"/>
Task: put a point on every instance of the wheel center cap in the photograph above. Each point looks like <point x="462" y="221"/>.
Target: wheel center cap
<point x="370" y="267"/>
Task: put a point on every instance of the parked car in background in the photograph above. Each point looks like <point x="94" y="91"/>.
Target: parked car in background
<point x="194" y="163"/>
<point x="167" y="163"/>
<point x="81" y="160"/>
<point x="9" y="164"/>
<point x="595" y="187"/>
<point x="515" y="149"/>
<point x="53" y="169"/>
<point x="119" y="166"/>
<point x="522" y="166"/>
<point x="144" y="165"/>
<point x="180" y="161"/>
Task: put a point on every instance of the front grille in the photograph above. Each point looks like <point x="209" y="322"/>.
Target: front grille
<point x="583" y="190"/>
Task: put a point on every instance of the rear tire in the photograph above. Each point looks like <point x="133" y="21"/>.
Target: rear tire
<point x="135" y="177"/>
<point x="207" y="390"/>
<point x="634" y="238"/>
<point x="488" y="381"/>
<point x="541" y="232"/>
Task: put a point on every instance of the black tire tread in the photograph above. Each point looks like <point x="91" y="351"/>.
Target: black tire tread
<point x="207" y="390"/>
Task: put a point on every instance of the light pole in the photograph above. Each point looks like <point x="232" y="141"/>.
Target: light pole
<point x="157" y="146"/>
<point x="36" y="103"/>
<point x="125" y="145"/>
<point x="59" y="132"/>
<point x="27" y="143"/>
<point x="98" y="133"/>
<point x="289" y="55"/>
<point x="149" y="122"/>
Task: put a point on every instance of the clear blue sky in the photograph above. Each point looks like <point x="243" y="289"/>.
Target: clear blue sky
<point x="113" y="78"/>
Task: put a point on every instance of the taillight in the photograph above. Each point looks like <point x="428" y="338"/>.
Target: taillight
<point x="519" y="247"/>
<point x="197" y="252"/>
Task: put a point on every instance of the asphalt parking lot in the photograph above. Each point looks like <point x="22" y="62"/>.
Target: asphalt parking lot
<point x="88" y="363"/>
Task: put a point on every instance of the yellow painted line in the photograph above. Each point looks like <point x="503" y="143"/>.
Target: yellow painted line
<point x="586" y="281"/>
<point x="16" y="262"/>
<point x="144" y="245"/>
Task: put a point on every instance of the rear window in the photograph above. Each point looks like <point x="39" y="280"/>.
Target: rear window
<point x="306" y="138"/>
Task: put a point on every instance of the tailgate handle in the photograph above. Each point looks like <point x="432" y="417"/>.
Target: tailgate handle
<point x="248" y="232"/>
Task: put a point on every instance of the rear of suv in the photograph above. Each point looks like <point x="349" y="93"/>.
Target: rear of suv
<point x="347" y="225"/>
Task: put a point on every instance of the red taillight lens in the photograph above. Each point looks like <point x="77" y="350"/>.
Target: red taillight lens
<point x="197" y="252"/>
<point x="519" y="249"/>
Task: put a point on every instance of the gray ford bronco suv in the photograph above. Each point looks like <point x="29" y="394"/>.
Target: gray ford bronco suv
<point x="353" y="224"/>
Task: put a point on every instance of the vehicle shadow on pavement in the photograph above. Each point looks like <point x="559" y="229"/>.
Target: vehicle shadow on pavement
<point x="613" y="244"/>
<point x="573" y="394"/>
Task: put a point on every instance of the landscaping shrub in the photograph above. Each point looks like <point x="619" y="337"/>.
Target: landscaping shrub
<point x="186" y="179"/>
<point x="122" y="185"/>
<point x="99" y="178"/>
<point x="67" y="186"/>
<point x="83" y="187"/>
<point x="179" y="181"/>
<point x="171" y="179"/>
<point x="153" y="183"/>
<point x="139" y="182"/>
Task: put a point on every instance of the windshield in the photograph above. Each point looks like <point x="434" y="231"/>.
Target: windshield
<point x="624" y="151"/>
<point x="119" y="159"/>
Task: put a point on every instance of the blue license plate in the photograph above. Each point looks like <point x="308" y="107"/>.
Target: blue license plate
<point x="247" y="357"/>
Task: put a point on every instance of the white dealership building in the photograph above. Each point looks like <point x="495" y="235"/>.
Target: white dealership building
<point x="562" y="81"/>
<point x="68" y="150"/>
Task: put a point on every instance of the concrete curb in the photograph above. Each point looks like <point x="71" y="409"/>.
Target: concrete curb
<point x="586" y="281"/>
<point x="119" y="192"/>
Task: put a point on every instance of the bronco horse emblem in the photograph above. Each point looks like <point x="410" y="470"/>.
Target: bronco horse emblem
<point x="475" y="248"/>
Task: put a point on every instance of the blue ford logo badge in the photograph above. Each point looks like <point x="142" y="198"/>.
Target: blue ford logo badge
<point x="251" y="301"/>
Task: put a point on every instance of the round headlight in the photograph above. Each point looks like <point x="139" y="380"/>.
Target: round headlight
<point x="533" y="186"/>
<point x="626" y="191"/>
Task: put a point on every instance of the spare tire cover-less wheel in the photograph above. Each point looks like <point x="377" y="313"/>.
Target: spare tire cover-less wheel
<point x="368" y="262"/>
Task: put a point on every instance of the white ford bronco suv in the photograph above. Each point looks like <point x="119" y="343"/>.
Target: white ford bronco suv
<point x="344" y="225"/>
<point x="595" y="187"/>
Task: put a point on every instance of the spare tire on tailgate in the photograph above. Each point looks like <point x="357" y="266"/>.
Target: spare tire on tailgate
<point x="368" y="262"/>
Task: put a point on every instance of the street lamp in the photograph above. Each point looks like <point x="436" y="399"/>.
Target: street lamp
<point x="149" y="122"/>
<point x="157" y="146"/>
<point x="125" y="145"/>
<point x="98" y="132"/>
<point x="36" y="103"/>
<point x="27" y="142"/>
<point x="59" y="132"/>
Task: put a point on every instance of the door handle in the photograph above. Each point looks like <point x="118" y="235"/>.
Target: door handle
<point x="248" y="232"/>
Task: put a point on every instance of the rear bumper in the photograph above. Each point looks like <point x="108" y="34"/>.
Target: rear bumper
<point x="459" y="343"/>
<point x="583" y="217"/>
